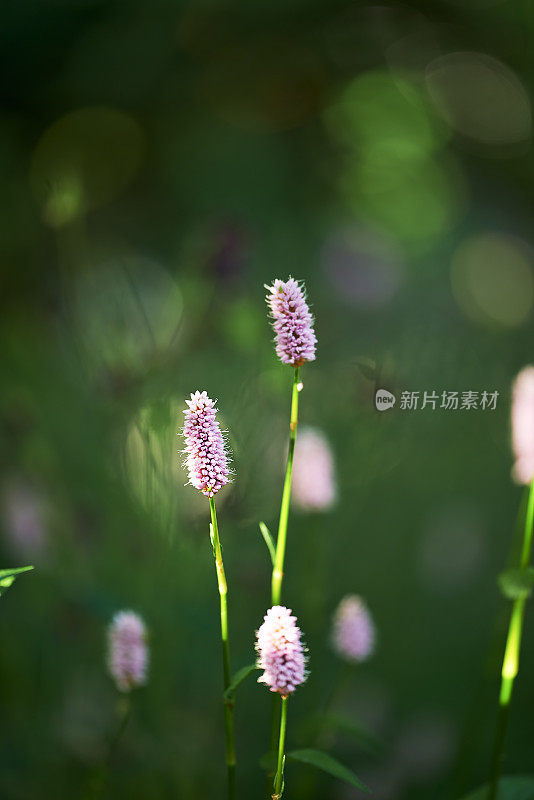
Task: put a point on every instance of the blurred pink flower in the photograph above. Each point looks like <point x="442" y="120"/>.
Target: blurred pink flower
<point x="523" y="426"/>
<point x="280" y="651"/>
<point x="314" y="485"/>
<point x="353" y="634"/>
<point x="24" y="515"/>
<point x="292" y="322"/>
<point x="127" y="650"/>
<point x="363" y="265"/>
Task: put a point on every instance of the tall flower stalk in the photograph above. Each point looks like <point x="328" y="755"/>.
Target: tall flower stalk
<point x="295" y="344"/>
<point x="206" y="462"/>
<point x="281" y="540"/>
<point x="510" y="666"/>
<point x="228" y="704"/>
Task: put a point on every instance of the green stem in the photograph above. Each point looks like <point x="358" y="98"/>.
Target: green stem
<point x="510" y="666"/>
<point x="228" y="704"/>
<point x="467" y="747"/>
<point x="278" y="569"/>
<point x="125" y="712"/>
<point x="98" y="780"/>
<point x="279" y="780"/>
<point x="281" y="539"/>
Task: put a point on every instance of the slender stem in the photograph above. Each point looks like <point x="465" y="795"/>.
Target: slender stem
<point x="529" y="525"/>
<point x="468" y="743"/>
<point x="279" y="780"/>
<point x="99" y="777"/>
<point x="510" y="666"/>
<point x="125" y="713"/>
<point x="278" y="569"/>
<point x="228" y="704"/>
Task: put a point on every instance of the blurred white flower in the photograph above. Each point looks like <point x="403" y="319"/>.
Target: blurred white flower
<point x="127" y="650"/>
<point x="523" y="426"/>
<point x="314" y="485"/>
<point x="364" y="266"/>
<point x="353" y="634"/>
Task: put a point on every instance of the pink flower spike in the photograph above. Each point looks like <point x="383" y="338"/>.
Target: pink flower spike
<point x="292" y="322"/>
<point x="280" y="651"/>
<point x="353" y="635"/>
<point x="127" y="651"/>
<point x="205" y="450"/>
<point x="523" y="426"/>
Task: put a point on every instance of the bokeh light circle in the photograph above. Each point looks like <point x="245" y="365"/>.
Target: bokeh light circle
<point x="84" y="160"/>
<point x="365" y="268"/>
<point x="492" y="279"/>
<point x="378" y="109"/>
<point x="480" y="97"/>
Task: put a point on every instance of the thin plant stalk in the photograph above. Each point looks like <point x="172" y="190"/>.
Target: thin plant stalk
<point x="468" y="742"/>
<point x="281" y="539"/>
<point x="98" y="781"/>
<point x="228" y="704"/>
<point x="278" y="568"/>
<point x="510" y="665"/>
<point x="125" y="711"/>
<point x="279" y="779"/>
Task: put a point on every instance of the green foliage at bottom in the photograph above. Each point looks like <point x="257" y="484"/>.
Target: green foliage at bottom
<point x="316" y="758"/>
<point x="517" y="787"/>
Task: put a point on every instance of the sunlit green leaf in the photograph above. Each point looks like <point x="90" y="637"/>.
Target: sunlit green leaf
<point x="325" y="762"/>
<point x="268" y="540"/>
<point x="7" y="576"/>
<point x="5" y="583"/>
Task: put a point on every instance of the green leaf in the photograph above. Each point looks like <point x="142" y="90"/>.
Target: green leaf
<point x="6" y="573"/>
<point x="268" y="540"/>
<point x="313" y="726"/>
<point x="7" y="576"/>
<point x="518" y="787"/>
<point x="516" y="583"/>
<point x="237" y="679"/>
<point x="316" y="758"/>
<point x="353" y="729"/>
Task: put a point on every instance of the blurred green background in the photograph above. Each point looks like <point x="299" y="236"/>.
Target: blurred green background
<point x="160" y="162"/>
